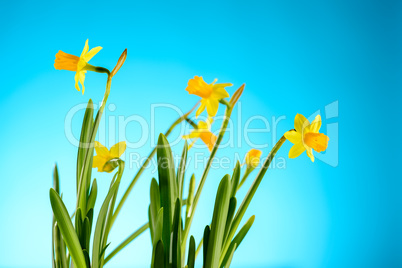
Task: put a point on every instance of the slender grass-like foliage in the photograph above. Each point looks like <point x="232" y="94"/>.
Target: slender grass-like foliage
<point x="169" y="226"/>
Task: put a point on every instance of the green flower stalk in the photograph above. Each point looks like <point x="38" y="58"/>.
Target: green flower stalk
<point x="169" y="223"/>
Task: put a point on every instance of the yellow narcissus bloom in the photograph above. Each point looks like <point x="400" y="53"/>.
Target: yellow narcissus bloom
<point x="306" y="137"/>
<point x="103" y="155"/>
<point x="253" y="158"/>
<point x="65" y="61"/>
<point x="210" y="94"/>
<point x="204" y="133"/>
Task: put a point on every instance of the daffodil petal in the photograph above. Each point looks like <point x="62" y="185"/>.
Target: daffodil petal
<point x="202" y="125"/>
<point x="192" y="135"/>
<point x="300" y="123"/>
<point x="85" y="50"/>
<point x="118" y="149"/>
<point x="309" y="152"/>
<point x="293" y="136"/>
<point x="296" y="150"/>
<point x="191" y="144"/>
<point x="76" y="78"/>
<point x="92" y="53"/>
<point x="212" y="107"/>
<point x="200" y="109"/>
<point x="101" y="150"/>
<point x="81" y="76"/>
<point x="316" y="124"/>
<point x="219" y="92"/>
<point x="98" y="162"/>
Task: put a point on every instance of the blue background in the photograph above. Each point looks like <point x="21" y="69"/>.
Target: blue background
<point x="294" y="56"/>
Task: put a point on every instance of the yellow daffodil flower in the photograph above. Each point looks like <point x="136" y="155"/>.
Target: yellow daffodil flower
<point x="65" y="61"/>
<point x="306" y="137"/>
<point x="103" y="155"/>
<point x="253" y="158"/>
<point x="210" y="94"/>
<point x="204" y="133"/>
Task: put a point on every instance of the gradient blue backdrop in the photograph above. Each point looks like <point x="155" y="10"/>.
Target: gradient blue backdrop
<point x="294" y="56"/>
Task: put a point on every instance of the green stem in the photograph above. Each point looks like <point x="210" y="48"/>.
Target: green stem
<point x="250" y="194"/>
<point x="139" y="172"/>
<point x="82" y="191"/>
<point x="191" y="122"/>
<point x="199" y="248"/>
<point x="189" y="220"/>
<point x="245" y="176"/>
<point x="127" y="241"/>
<point x="119" y="173"/>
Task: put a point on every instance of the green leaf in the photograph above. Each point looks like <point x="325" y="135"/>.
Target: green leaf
<point x="218" y="223"/>
<point x="86" y="233"/>
<point x="236" y="242"/>
<point x="230" y="257"/>
<point x="154" y="206"/>
<point x="109" y="214"/>
<point x="176" y="241"/>
<point x="191" y="253"/>
<point x="86" y="255"/>
<point x="56" y="180"/>
<point x="86" y="129"/>
<point x="90" y="216"/>
<point x="67" y="229"/>
<point x="250" y="194"/>
<point x="231" y="211"/>
<point x="167" y="188"/>
<point x="235" y="179"/>
<point x="190" y="197"/>
<point x="207" y="232"/>
<point x="158" y="259"/>
<point x="60" y="256"/>
<point x="100" y="227"/>
<point x="78" y="226"/>
<point x="56" y="187"/>
<point x="181" y="170"/>
<point x="92" y="196"/>
<point x="158" y="227"/>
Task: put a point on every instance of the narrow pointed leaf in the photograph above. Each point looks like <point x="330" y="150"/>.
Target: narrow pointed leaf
<point x="218" y="223"/>
<point x="191" y="253"/>
<point x="99" y="228"/>
<point x="181" y="170"/>
<point x="207" y="232"/>
<point x="167" y="189"/>
<point x="235" y="179"/>
<point x="158" y="258"/>
<point x="176" y="242"/>
<point x="67" y="229"/>
<point x="236" y="241"/>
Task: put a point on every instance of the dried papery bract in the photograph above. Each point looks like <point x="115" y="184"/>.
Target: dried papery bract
<point x="169" y="228"/>
<point x="236" y="95"/>
<point x="120" y="63"/>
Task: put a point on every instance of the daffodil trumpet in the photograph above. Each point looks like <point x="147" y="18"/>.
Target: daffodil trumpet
<point x="203" y="132"/>
<point x="107" y="160"/>
<point x="306" y="137"/>
<point x="210" y="94"/>
<point x="228" y="113"/>
<point x="167" y="225"/>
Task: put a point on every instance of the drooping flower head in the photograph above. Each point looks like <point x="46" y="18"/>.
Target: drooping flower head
<point x="253" y="158"/>
<point x="204" y="133"/>
<point x="103" y="156"/>
<point x="210" y="94"/>
<point x="306" y="137"/>
<point x="65" y="61"/>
